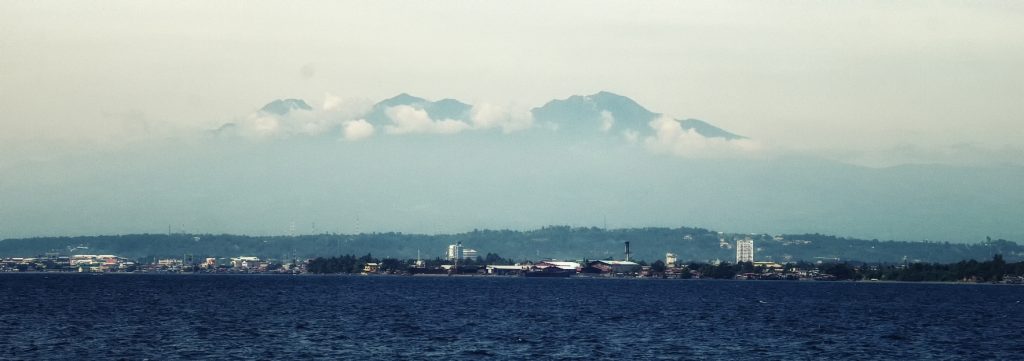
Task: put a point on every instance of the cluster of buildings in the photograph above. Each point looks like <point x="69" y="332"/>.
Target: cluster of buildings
<point x="73" y="263"/>
<point x="241" y="264"/>
<point x="555" y="268"/>
<point x="546" y="268"/>
<point x="112" y="263"/>
<point x="618" y="268"/>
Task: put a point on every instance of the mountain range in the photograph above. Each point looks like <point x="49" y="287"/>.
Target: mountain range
<point x="578" y="115"/>
<point x="571" y="167"/>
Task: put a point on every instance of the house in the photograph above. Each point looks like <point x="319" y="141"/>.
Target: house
<point x="614" y="267"/>
<point x="562" y="265"/>
<point x="505" y="270"/>
<point x="371" y="267"/>
<point x="245" y="262"/>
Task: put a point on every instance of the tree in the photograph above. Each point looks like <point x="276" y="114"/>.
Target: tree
<point x="997" y="269"/>
<point x="841" y="271"/>
<point x="658" y="266"/>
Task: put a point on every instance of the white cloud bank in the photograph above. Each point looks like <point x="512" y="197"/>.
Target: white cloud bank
<point x="347" y="118"/>
<point x="261" y="125"/>
<point x="357" y="130"/>
<point x="607" y="121"/>
<point x="411" y="120"/>
<point x="670" y="138"/>
<point x="334" y="113"/>
<point x="408" y="120"/>
<point x="490" y="116"/>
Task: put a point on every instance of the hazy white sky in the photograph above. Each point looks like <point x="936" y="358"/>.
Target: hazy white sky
<point x="927" y="81"/>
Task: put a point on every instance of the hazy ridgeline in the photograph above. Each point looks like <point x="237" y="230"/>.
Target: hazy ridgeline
<point x="418" y="166"/>
<point x="518" y="181"/>
<point x="560" y="242"/>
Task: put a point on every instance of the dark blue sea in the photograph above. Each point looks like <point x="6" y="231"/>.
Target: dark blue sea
<point x="185" y="317"/>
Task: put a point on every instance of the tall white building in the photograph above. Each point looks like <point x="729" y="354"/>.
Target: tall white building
<point x="745" y="250"/>
<point x="455" y="251"/>
<point x="670" y="260"/>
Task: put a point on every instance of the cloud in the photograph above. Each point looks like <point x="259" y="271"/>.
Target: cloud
<point x="261" y="125"/>
<point x="331" y="102"/>
<point x="345" y="117"/>
<point x="295" y="122"/>
<point x="607" y="120"/>
<point x="333" y="114"/>
<point x="631" y="136"/>
<point x="670" y="138"/>
<point x="408" y="120"/>
<point x="357" y="130"/>
<point x="489" y="116"/>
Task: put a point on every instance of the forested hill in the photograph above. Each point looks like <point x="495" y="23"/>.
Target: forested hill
<point x="560" y="242"/>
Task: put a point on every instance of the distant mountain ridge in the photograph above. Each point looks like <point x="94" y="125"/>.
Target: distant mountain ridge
<point x="578" y="115"/>
<point x="284" y="106"/>
<point x="613" y="114"/>
<point x="707" y="130"/>
<point x="437" y="110"/>
<point x="600" y="112"/>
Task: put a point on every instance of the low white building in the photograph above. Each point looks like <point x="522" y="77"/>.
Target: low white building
<point x="565" y="265"/>
<point x="505" y="269"/>
<point x="616" y="267"/>
<point x="245" y="262"/>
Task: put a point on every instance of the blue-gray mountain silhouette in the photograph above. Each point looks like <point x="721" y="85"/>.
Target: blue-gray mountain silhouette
<point x="708" y="130"/>
<point x="437" y="110"/>
<point x="582" y="114"/>
<point x="283" y="106"/>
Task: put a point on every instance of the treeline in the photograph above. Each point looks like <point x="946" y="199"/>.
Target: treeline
<point x="554" y="242"/>
<point x="988" y="271"/>
<point x="994" y="270"/>
<point x="353" y="264"/>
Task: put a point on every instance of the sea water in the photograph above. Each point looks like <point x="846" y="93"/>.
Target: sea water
<point x="161" y="317"/>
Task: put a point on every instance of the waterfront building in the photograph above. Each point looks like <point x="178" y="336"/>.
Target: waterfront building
<point x="670" y="260"/>
<point x="169" y="262"/>
<point x="371" y="267"/>
<point x="245" y="262"/>
<point x="563" y="265"/>
<point x="745" y="250"/>
<point x="505" y="270"/>
<point x="769" y="265"/>
<point x="615" y="267"/>
<point x="454" y="251"/>
<point x="457" y="251"/>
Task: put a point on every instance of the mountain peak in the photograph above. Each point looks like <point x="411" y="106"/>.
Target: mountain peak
<point x="401" y="99"/>
<point x="603" y="111"/>
<point x="442" y="109"/>
<point x="607" y="94"/>
<point x="707" y="130"/>
<point x="283" y="106"/>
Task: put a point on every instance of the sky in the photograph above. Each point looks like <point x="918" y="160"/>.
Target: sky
<point x="866" y="82"/>
<point x="89" y="90"/>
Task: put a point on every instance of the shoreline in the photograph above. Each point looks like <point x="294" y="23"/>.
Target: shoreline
<point x="465" y="276"/>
